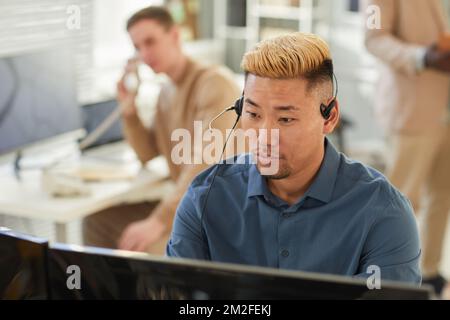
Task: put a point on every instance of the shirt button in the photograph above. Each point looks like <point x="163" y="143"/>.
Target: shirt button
<point x="285" y="253"/>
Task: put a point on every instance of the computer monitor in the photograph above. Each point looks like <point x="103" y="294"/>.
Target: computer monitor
<point x="23" y="266"/>
<point x="37" y="98"/>
<point x="93" y="116"/>
<point x="112" y="274"/>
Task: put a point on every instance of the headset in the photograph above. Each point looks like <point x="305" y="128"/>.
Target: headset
<point x="325" y="111"/>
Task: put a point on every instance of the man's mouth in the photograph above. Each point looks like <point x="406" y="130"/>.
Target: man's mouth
<point x="265" y="159"/>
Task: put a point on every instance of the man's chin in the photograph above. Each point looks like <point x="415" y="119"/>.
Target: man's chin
<point x="272" y="171"/>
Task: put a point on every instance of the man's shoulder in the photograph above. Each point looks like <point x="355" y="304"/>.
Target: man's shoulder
<point x="214" y="75"/>
<point x="374" y="184"/>
<point x="359" y="172"/>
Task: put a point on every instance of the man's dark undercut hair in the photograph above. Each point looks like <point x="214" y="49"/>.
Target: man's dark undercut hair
<point x="322" y="74"/>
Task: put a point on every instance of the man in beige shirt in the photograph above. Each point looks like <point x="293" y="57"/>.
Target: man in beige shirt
<point x="412" y="107"/>
<point x="195" y="93"/>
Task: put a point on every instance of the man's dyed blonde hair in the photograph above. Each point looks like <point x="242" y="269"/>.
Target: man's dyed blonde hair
<point x="292" y="56"/>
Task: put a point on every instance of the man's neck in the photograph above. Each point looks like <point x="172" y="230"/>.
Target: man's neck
<point x="178" y="69"/>
<point x="293" y="187"/>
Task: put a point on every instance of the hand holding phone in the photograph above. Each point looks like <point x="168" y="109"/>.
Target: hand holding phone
<point x="128" y="87"/>
<point x="437" y="56"/>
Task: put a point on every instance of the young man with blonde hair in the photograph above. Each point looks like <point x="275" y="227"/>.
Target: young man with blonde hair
<point x="320" y="212"/>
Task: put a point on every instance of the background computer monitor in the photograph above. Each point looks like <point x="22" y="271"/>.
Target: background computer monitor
<point x="93" y="116"/>
<point x="23" y="266"/>
<point x="111" y="274"/>
<point x="37" y="97"/>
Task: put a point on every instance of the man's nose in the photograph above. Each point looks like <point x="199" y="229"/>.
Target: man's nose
<point x="268" y="136"/>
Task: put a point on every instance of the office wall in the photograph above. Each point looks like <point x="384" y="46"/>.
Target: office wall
<point x="27" y="26"/>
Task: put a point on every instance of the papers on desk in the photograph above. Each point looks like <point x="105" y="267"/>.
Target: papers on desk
<point x="75" y="181"/>
<point x="63" y="186"/>
<point x="103" y="172"/>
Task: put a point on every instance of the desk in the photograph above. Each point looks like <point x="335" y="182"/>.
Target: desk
<point x="27" y="199"/>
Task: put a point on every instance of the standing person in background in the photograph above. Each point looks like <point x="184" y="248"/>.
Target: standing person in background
<point x="195" y="93"/>
<point x="412" y="106"/>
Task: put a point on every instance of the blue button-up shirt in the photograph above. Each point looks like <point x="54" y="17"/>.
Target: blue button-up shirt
<point x="349" y="219"/>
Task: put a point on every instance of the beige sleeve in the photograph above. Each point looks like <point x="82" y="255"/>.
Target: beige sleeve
<point x="384" y="44"/>
<point x="140" y="138"/>
<point x="216" y="92"/>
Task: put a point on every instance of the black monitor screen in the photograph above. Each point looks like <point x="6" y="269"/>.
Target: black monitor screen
<point x="93" y="116"/>
<point x="23" y="267"/>
<point x="37" y="98"/>
<point x="109" y="274"/>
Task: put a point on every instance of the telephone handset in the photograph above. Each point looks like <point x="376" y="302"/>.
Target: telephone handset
<point x="132" y="82"/>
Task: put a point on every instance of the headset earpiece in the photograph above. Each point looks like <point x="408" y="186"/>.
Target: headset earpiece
<point x="326" y="110"/>
<point x="239" y="105"/>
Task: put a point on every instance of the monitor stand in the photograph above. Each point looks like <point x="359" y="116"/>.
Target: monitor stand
<point x="17" y="168"/>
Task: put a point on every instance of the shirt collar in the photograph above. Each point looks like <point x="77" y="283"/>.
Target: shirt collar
<point x="322" y="186"/>
<point x="257" y="185"/>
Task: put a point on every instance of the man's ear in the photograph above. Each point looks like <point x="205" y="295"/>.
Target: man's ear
<point x="331" y="123"/>
<point x="175" y="33"/>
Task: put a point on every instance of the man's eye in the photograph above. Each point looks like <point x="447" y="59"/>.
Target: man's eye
<point x="286" y="120"/>
<point x="252" y="114"/>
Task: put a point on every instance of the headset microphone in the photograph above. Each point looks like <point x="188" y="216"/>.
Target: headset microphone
<point x="236" y="105"/>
